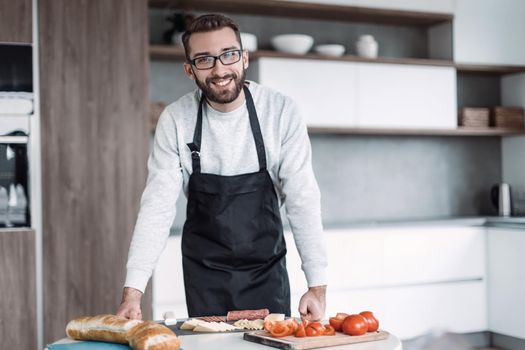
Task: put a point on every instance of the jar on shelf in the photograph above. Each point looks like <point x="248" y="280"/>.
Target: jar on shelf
<point x="367" y="46"/>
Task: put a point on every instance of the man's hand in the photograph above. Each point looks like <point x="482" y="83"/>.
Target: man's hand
<point x="130" y="305"/>
<point x="313" y="303"/>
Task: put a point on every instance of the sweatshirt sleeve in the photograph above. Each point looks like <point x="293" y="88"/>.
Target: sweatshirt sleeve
<point x="302" y="196"/>
<point x="157" y="205"/>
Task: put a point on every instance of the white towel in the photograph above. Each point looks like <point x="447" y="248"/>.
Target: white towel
<point x="16" y="102"/>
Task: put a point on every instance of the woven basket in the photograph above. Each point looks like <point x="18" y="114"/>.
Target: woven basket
<point x="507" y="117"/>
<point x="474" y="117"/>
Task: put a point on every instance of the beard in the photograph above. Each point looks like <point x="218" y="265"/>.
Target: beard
<point x="219" y="95"/>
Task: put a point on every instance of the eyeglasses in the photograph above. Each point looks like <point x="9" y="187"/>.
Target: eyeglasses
<point x="208" y="62"/>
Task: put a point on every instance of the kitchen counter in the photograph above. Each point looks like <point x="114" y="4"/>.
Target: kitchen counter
<point x="234" y="341"/>
<point x="479" y="221"/>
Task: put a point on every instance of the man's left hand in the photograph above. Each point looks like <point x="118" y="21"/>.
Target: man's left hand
<point x="313" y="303"/>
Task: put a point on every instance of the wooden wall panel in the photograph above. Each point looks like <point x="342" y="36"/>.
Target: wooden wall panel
<point x="17" y="289"/>
<point x="15" y="21"/>
<point x="94" y="71"/>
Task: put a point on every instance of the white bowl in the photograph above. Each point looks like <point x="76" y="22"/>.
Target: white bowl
<point x="293" y="43"/>
<point x="249" y="42"/>
<point x="334" y="50"/>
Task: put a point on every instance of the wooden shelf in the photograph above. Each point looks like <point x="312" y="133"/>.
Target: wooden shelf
<point x="416" y="132"/>
<point x="161" y="52"/>
<point x="307" y="10"/>
<point x="168" y="52"/>
<point x="489" y="69"/>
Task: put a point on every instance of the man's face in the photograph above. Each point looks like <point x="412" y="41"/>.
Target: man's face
<point x="222" y="83"/>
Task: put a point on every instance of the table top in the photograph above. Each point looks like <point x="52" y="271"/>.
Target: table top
<point x="235" y="341"/>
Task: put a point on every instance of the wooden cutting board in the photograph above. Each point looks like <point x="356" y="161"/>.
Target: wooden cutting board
<point x="293" y="343"/>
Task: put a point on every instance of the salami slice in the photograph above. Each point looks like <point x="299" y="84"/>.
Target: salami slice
<point x="213" y="318"/>
<point x="247" y="314"/>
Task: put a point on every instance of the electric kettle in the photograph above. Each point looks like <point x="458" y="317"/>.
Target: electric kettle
<point x="501" y="199"/>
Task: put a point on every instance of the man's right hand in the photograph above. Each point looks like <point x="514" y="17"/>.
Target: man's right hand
<point x="130" y="305"/>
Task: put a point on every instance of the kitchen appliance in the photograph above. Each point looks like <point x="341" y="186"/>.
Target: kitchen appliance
<point x="14" y="176"/>
<point x="501" y="199"/>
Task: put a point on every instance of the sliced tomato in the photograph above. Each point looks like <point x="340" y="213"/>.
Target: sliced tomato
<point x="300" y="332"/>
<point x="311" y="332"/>
<point x="329" y="330"/>
<point x="293" y="325"/>
<point x="336" y="323"/>
<point x="268" y="325"/>
<point x="280" y="330"/>
<point x="317" y="326"/>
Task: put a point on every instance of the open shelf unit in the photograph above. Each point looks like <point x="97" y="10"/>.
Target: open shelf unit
<point x="342" y="13"/>
<point x="168" y="52"/>
<point x="306" y="10"/>
<point x="460" y="131"/>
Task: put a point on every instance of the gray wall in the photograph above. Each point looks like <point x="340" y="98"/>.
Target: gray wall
<point x="398" y="177"/>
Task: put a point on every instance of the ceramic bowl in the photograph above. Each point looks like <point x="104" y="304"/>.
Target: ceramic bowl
<point x="333" y="50"/>
<point x="293" y="43"/>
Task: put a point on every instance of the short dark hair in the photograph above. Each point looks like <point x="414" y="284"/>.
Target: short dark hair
<point x="208" y="23"/>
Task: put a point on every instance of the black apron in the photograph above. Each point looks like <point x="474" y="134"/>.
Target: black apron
<point x="233" y="248"/>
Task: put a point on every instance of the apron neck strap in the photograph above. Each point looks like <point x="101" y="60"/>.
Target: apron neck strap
<point x="195" y="146"/>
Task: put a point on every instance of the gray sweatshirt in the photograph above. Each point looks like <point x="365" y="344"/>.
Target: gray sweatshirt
<point x="228" y="148"/>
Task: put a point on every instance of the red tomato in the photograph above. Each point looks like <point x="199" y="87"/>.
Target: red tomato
<point x="337" y="321"/>
<point x="329" y="330"/>
<point x="300" y="332"/>
<point x="355" y="325"/>
<point x="373" y="323"/>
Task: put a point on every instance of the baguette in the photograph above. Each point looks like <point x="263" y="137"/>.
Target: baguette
<point x="108" y="328"/>
<point x="152" y="336"/>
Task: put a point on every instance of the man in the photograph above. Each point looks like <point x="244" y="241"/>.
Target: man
<point x="230" y="145"/>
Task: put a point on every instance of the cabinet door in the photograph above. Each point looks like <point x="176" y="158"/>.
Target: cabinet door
<point x="15" y="21"/>
<point x="411" y="311"/>
<point x="489" y="32"/>
<point x="324" y="91"/>
<point x="168" y="281"/>
<point x="404" y="96"/>
<point x="506" y="281"/>
<point x="437" y="6"/>
<point x="18" y="329"/>
<point x="434" y="254"/>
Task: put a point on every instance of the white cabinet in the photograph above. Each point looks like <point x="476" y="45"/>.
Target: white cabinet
<point x="506" y="281"/>
<point x="350" y="94"/>
<point x="426" y="274"/>
<point x="437" y="6"/>
<point x="410" y="311"/>
<point x="405" y="96"/>
<point x="168" y="281"/>
<point x="489" y="32"/>
<point x="324" y="91"/>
